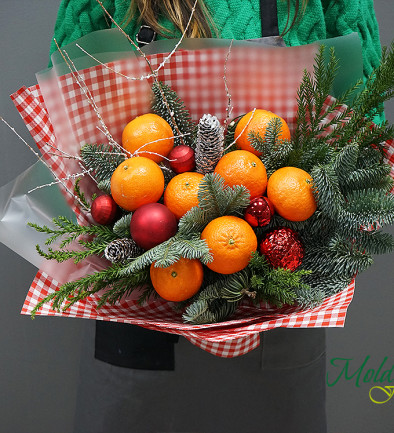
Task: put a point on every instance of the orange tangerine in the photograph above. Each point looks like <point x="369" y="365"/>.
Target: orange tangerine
<point x="181" y="193"/>
<point x="290" y="191"/>
<point x="257" y="122"/>
<point x="231" y="241"/>
<point x="135" y="182"/>
<point x="242" y="167"/>
<point x="179" y="281"/>
<point x="150" y="136"/>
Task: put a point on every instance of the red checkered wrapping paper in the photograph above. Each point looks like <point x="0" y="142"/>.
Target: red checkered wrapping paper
<point x="197" y="78"/>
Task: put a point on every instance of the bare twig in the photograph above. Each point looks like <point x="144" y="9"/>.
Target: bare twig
<point x="154" y="73"/>
<point x="243" y="130"/>
<point x="84" y="88"/>
<point x="56" y="182"/>
<point x="39" y="157"/>
<point x="229" y="107"/>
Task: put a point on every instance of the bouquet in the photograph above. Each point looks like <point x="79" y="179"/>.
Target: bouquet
<point x="210" y="203"/>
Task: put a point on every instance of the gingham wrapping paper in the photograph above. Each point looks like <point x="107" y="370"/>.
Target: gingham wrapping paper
<point x="197" y="77"/>
<point x="31" y="106"/>
<point x="226" y="339"/>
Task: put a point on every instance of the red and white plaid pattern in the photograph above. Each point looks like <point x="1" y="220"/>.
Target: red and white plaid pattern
<point x="226" y="339"/>
<point x="197" y="77"/>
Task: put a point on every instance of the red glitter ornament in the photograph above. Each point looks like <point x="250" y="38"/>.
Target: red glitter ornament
<point x="152" y="224"/>
<point x="282" y="248"/>
<point x="182" y="159"/>
<point x="104" y="209"/>
<point x="259" y="212"/>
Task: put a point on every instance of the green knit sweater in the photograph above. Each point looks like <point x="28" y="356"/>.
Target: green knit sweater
<point x="239" y="19"/>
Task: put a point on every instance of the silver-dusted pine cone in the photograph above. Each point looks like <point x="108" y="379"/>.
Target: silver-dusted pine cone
<point x="121" y="250"/>
<point x="209" y="145"/>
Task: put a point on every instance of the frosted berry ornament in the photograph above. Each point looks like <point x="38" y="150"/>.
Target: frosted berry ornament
<point x="182" y="159"/>
<point x="104" y="209"/>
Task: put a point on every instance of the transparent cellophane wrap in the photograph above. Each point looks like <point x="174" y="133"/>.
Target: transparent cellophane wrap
<point x="59" y="115"/>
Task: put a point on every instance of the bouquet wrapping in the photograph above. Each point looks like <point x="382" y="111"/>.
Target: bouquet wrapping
<point x="70" y="107"/>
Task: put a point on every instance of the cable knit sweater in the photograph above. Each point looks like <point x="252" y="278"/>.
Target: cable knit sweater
<point x="239" y="19"/>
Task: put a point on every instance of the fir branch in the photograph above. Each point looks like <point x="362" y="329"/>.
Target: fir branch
<point x="374" y="242"/>
<point x="326" y="189"/>
<point x="370" y="208"/>
<point x="71" y="292"/>
<point x="378" y="89"/>
<point x="338" y="258"/>
<point x="101" y="159"/>
<point x="122" y="227"/>
<point x="372" y="175"/>
<point x="217" y="199"/>
<point x="217" y="301"/>
<point x="202" y="311"/>
<point x="167" y="253"/>
<point x="345" y="162"/>
<point x="148" y="292"/>
<point x="313" y="296"/>
<point x="193" y="221"/>
<point x="178" y="112"/>
<point x="105" y="186"/>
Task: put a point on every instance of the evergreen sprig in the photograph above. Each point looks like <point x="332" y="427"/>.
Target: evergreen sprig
<point x="215" y="199"/>
<point x="122" y="227"/>
<point x="74" y="291"/>
<point x="102" y="159"/>
<point x="218" y="300"/>
<point x="178" y="112"/>
<point x="274" y="150"/>
<point x="70" y="231"/>
<point x="275" y="286"/>
<point x="80" y="194"/>
<point x="167" y="253"/>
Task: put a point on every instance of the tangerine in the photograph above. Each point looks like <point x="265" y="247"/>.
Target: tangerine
<point x="290" y="191"/>
<point x="150" y="136"/>
<point x="242" y="167"/>
<point x="257" y="124"/>
<point x="135" y="182"/>
<point x="181" y="193"/>
<point x="231" y="241"/>
<point x="179" y="281"/>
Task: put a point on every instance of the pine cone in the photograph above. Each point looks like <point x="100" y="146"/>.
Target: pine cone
<point x="209" y="147"/>
<point x="121" y="250"/>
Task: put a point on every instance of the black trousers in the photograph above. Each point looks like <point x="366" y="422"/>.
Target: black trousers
<point x="279" y="387"/>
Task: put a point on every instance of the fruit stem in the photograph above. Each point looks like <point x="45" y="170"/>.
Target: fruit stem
<point x="248" y="293"/>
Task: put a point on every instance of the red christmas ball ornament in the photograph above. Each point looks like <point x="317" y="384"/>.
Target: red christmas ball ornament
<point x="282" y="248"/>
<point x="104" y="209"/>
<point x="152" y="224"/>
<point x="182" y="159"/>
<point x="259" y="212"/>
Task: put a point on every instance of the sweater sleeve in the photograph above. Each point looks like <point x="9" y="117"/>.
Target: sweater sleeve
<point x="343" y="17"/>
<point x="77" y="18"/>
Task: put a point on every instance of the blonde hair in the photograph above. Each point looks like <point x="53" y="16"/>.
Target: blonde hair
<point x="178" y="12"/>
